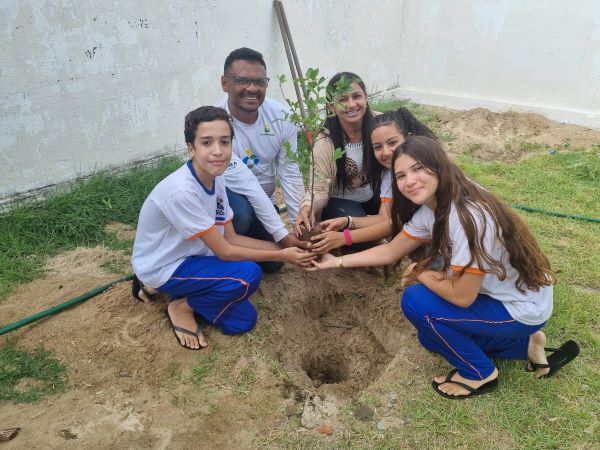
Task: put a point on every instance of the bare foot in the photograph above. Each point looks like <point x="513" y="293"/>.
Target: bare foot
<point x="536" y="353"/>
<point x="142" y="295"/>
<point x="454" y="389"/>
<point x="182" y="315"/>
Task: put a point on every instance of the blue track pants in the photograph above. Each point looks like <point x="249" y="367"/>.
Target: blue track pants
<point x="466" y="337"/>
<point x="217" y="290"/>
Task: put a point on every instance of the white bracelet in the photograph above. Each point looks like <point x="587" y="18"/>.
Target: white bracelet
<point x="340" y="262"/>
<point x="350" y="223"/>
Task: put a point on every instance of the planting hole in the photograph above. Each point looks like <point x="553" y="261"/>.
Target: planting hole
<point x="326" y="369"/>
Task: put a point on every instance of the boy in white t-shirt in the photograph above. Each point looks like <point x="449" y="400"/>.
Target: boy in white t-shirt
<point x="185" y="244"/>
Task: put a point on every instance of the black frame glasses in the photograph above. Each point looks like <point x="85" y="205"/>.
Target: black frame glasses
<point x="247" y="82"/>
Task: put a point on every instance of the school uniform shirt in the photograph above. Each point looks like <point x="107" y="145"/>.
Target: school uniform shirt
<point x="178" y="211"/>
<point x="239" y="179"/>
<point x="260" y="146"/>
<point x="385" y="191"/>
<point x="530" y="307"/>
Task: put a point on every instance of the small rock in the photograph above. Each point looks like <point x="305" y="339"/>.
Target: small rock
<point x="392" y="398"/>
<point x="124" y="373"/>
<point x="363" y="412"/>
<point x="317" y="383"/>
<point x="67" y="434"/>
<point x="8" y="434"/>
<point x="390" y="422"/>
<point x="325" y="429"/>
<point x="316" y="410"/>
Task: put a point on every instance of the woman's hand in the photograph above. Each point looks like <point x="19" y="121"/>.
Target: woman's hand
<point x="304" y="220"/>
<point x="327" y="241"/>
<point x="297" y="256"/>
<point x="337" y="224"/>
<point x="409" y="277"/>
<point x="327" y="261"/>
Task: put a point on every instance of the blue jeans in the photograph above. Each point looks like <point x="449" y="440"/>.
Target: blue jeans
<point x="247" y="224"/>
<point x="340" y="207"/>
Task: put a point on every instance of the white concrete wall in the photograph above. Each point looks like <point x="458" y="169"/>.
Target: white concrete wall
<point x="88" y="84"/>
<point x="522" y="55"/>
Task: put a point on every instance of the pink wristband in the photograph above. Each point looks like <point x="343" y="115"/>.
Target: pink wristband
<point x="348" y="237"/>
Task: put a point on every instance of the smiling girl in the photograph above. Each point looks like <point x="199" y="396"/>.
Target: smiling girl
<point x="388" y="130"/>
<point x="494" y="292"/>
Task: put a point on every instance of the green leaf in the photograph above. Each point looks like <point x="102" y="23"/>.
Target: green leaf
<point x="337" y="153"/>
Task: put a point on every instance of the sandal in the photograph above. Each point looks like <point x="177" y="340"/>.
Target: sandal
<point x="559" y="358"/>
<point x="188" y="332"/>
<point x="136" y="286"/>
<point x="483" y="389"/>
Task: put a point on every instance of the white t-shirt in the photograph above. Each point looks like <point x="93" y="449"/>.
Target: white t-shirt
<point x="530" y="308"/>
<point x="360" y="190"/>
<point x="260" y="146"/>
<point x="385" y="191"/>
<point x="239" y="179"/>
<point x="176" y="213"/>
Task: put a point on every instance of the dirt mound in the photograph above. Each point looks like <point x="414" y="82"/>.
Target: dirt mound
<point x="335" y="334"/>
<point x="508" y="136"/>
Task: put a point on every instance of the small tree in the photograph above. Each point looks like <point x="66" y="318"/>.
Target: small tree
<point x="318" y="101"/>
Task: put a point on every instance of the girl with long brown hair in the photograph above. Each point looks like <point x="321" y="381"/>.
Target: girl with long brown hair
<point x="494" y="291"/>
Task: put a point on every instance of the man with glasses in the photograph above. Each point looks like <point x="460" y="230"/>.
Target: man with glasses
<point x="260" y="134"/>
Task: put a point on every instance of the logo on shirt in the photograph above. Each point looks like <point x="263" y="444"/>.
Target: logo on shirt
<point x="250" y="159"/>
<point x="267" y="130"/>
<point x="220" y="212"/>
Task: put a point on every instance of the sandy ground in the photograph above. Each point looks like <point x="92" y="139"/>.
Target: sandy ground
<point x="322" y="339"/>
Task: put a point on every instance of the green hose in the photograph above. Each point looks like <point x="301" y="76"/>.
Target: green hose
<point x="94" y="292"/>
<point x="62" y="306"/>
<point x="555" y="213"/>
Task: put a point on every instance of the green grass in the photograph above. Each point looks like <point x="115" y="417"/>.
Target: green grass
<point x="27" y="376"/>
<point x="563" y="412"/>
<point x="30" y="233"/>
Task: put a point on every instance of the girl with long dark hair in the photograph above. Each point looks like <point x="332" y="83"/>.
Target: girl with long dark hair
<point x="341" y="186"/>
<point x="494" y="291"/>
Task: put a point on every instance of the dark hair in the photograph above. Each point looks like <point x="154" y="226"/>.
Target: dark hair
<point x="337" y="134"/>
<point x="472" y="203"/>
<point x="203" y="114"/>
<point x="245" y="54"/>
<point x="405" y="123"/>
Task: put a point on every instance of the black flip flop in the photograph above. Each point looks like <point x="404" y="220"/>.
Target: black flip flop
<point x="188" y="332"/>
<point x="136" y="286"/>
<point x="559" y="358"/>
<point x="483" y="389"/>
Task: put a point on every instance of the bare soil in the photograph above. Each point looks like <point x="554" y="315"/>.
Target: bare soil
<point x="322" y="341"/>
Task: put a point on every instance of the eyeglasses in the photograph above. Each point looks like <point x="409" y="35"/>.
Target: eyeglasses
<point x="246" y="82"/>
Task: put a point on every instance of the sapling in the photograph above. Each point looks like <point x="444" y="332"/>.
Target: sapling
<point x="309" y="116"/>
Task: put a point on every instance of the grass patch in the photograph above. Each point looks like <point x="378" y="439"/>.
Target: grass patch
<point x="27" y="376"/>
<point x="30" y="233"/>
<point x="204" y="367"/>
